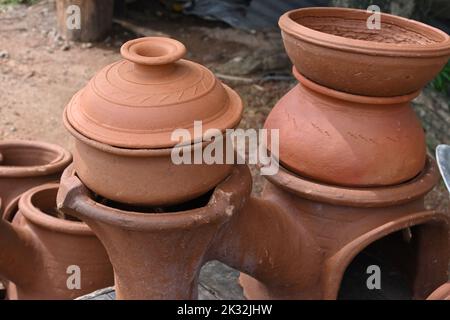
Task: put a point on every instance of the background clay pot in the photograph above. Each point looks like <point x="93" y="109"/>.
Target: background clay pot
<point x="39" y="246"/>
<point x="334" y="47"/>
<point x="27" y="164"/>
<point x="124" y="118"/>
<point x="348" y="140"/>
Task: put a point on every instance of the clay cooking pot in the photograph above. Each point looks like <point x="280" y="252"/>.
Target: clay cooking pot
<point x="334" y="47"/>
<point x="41" y="244"/>
<point x="348" y="140"/>
<point x="25" y="164"/>
<point x="124" y="118"/>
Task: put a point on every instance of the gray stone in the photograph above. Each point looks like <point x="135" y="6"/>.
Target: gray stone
<point x="4" y="54"/>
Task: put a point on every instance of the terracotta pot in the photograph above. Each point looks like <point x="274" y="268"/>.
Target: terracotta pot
<point x="441" y="293"/>
<point x="39" y="246"/>
<point x="27" y="164"/>
<point x="117" y="174"/>
<point x="156" y="256"/>
<point x="349" y="140"/>
<point x="124" y="118"/>
<point x="299" y="238"/>
<point x="334" y="47"/>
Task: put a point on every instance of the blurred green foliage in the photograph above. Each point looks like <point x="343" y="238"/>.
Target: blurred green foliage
<point x="6" y="2"/>
<point x="442" y="81"/>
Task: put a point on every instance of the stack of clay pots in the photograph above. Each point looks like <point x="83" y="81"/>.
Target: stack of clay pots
<point x="123" y="123"/>
<point x="349" y="122"/>
<point x="124" y="118"/>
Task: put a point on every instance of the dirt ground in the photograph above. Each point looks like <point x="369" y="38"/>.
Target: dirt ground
<point x="40" y="71"/>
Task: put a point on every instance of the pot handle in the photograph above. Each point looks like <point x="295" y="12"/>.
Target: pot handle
<point x="76" y="200"/>
<point x="72" y="194"/>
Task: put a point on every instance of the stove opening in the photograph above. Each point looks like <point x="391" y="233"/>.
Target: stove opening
<point x="407" y="264"/>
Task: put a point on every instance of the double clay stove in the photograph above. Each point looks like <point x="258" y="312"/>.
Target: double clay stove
<point x="353" y="173"/>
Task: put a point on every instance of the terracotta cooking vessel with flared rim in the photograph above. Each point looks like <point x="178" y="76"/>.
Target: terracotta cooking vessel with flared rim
<point x="335" y="48"/>
<point x="124" y="118"/>
<point x="145" y="177"/>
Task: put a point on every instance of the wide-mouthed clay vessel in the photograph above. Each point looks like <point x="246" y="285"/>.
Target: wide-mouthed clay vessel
<point x="41" y="249"/>
<point x="349" y="140"/>
<point x="335" y="48"/>
<point x="25" y="164"/>
<point x="124" y="118"/>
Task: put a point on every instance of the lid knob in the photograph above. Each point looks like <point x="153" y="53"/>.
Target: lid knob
<point x="153" y="51"/>
<point x="153" y="58"/>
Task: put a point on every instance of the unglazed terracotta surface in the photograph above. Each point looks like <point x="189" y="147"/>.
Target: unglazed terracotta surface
<point x="334" y="47"/>
<point x="441" y="293"/>
<point x="156" y="256"/>
<point x="350" y="140"/>
<point x="39" y="246"/>
<point x="26" y="164"/>
<point x="142" y="176"/>
<point x="124" y="118"/>
<point x="298" y="239"/>
<point x="296" y="225"/>
<point x="138" y="102"/>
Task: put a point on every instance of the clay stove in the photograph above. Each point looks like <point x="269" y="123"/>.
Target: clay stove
<point x="296" y="240"/>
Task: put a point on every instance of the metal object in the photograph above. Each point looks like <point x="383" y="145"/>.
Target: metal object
<point x="443" y="160"/>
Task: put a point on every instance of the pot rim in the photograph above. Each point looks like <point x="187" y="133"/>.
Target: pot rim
<point x="159" y="152"/>
<point x="31" y="212"/>
<point x="362" y="196"/>
<point x="352" y="97"/>
<point x="226" y="199"/>
<point x="9" y="212"/>
<point x="61" y="159"/>
<point x="288" y="25"/>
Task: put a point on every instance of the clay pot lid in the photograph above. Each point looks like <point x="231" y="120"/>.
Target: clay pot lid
<point x="138" y="102"/>
<point x="325" y="27"/>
